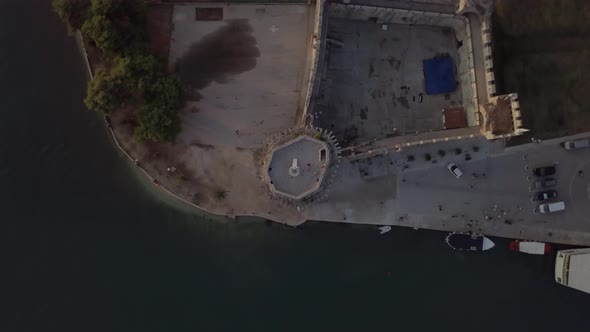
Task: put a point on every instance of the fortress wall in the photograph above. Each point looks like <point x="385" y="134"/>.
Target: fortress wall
<point x="318" y="41"/>
<point x="486" y="31"/>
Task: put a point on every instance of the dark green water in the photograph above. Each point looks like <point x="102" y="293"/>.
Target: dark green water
<point x="85" y="247"/>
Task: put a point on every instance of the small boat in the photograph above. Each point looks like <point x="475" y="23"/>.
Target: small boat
<point x="471" y="242"/>
<point x="384" y="229"/>
<point x="530" y="247"/>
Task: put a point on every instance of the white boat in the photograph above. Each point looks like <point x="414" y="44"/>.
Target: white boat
<point x="471" y="242"/>
<point x="530" y="247"/>
<point x="384" y="229"/>
<point x="572" y="268"/>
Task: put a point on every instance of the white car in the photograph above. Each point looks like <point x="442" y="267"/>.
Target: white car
<point x="455" y="170"/>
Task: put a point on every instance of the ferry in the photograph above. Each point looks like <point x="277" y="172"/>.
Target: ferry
<point x="530" y="247"/>
<point x="469" y="242"/>
<point x="572" y="268"/>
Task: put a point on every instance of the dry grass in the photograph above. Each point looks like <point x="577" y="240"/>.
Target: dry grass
<point x="531" y="17"/>
<point x="542" y="51"/>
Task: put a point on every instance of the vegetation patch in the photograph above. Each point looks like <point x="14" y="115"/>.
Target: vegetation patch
<point x="132" y="75"/>
<point x="219" y="194"/>
<point x="541" y="52"/>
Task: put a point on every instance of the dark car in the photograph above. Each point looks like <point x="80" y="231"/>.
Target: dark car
<point x="544" y="171"/>
<point x="545" y="195"/>
<point x="545" y="183"/>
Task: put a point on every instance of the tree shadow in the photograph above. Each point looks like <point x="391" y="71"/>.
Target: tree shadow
<point x="218" y="56"/>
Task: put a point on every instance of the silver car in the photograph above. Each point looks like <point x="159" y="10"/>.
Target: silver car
<point x="455" y="170"/>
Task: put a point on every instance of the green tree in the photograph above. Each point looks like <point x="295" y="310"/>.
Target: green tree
<point x="118" y="29"/>
<point x="167" y="90"/>
<point x="103" y="34"/>
<point x="157" y="122"/>
<point x="106" y="92"/>
<point x="119" y="10"/>
<point x="140" y="70"/>
<point x="72" y="12"/>
<point x="158" y="118"/>
<point x="127" y="17"/>
<point x="102" y="7"/>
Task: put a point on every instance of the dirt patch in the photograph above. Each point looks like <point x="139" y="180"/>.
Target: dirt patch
<point x="497" y="117"/>
<point x="203" y="146"/>
<point x="229" y="51"/>
<point x="159" y="27"/>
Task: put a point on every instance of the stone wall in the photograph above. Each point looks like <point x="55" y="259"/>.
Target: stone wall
<point x="317" y="59"/>
<point x="486" y="32"/>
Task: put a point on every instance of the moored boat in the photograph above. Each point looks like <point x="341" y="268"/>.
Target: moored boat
<point x="530" y="247"/>
<point x="469" y="242"/>
<point x="384" y="229"/>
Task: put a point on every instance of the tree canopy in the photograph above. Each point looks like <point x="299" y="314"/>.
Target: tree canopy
<point x="141" y="70"/>
<point x="157" y="122"/>
<point x="103" y="34"/>
<point x="72" y="12"/>
<point x="116" y="27"/>
<point x="106" y="92"/>
<point x="133" y="74"/>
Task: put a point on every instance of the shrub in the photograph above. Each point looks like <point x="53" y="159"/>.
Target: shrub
<point x="72" y="12"/>
<point x="220" y="194"/>
<point x="106" y="92"/>
<point x="157" y="123"/>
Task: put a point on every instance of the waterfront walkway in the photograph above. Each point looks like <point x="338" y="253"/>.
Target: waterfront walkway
<point x="493" y="197"/>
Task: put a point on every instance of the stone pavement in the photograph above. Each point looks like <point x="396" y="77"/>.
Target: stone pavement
<point x="492" y="197"/>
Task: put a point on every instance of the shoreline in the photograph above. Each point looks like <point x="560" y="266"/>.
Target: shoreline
<point x="142" y="171"/>
<point x="424" y="221"/>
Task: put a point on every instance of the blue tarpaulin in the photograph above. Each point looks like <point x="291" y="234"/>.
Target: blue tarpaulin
<point x="439" y="73"/>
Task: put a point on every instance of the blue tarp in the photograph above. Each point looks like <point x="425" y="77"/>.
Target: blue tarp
<point x="439" y="73"/>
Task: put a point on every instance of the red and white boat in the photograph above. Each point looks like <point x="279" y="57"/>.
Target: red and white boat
<point x="530" y="247"/>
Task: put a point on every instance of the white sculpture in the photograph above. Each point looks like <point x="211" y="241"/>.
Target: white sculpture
<point x="294" y="169"/>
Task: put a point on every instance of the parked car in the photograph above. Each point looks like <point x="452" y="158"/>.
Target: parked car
<point x="551" y="207"/>
<point x="545" y="183"/>
<point x="455" y="170"/>
<point x="577" y="144"/>
<point x="544" y="171"/>
<point x="545" y="195"/>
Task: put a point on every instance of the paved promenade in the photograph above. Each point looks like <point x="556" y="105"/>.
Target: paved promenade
<point x="493" y="196"/>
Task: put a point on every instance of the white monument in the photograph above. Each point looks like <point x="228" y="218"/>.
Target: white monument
<point x="294" y="169"/>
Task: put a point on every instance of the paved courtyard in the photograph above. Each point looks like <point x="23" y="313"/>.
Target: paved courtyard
<point x="245" y="65"/>
<point x="492" y="197"/>
<point x="374" y="86"/>
<point x="246" y="71"/>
